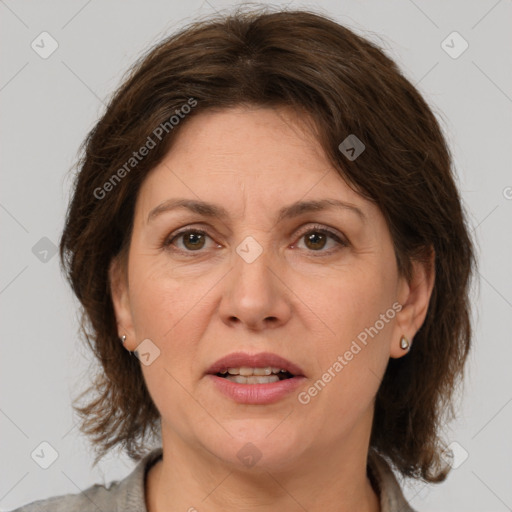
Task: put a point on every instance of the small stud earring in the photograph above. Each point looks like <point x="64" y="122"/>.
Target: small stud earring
<point x="404" y="343"/>
<point x="123" y="339"/>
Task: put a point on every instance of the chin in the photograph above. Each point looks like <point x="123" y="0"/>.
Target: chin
<point x="259" y="445"/>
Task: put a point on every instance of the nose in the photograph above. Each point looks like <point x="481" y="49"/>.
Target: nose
<point x="255" y="294"/>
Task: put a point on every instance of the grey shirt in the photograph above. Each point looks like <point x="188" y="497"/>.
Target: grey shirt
<point x="128" y="495"/>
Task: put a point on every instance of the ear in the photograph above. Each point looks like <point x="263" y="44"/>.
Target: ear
<point x="414" y="297"/>
<point x="119" y="290"/>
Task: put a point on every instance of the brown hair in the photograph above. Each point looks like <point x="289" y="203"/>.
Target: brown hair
<point x="347" y="85"/>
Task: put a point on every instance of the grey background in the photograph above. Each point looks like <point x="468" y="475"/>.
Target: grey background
<point x="49" y="105"/>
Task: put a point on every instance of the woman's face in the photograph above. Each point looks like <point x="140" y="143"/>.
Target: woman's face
<point x="316" y="287"/>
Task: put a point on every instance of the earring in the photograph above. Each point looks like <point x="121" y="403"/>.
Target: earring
<point x="123" y="339"/>
<point x="404" y="343"/>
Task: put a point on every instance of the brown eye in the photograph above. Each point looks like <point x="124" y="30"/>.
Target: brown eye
<point x="193" y="240"/>
<point x="315" y="240"/>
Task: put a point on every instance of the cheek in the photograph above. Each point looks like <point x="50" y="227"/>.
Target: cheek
<point x="161" y="300"/>
<point x="171" y="309"/>
<point x="356" y="309"/>
<point x="353" y="300"/>
<point x="168" y="311"/>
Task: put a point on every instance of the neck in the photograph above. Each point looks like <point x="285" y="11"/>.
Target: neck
<point x="331" y="480"/>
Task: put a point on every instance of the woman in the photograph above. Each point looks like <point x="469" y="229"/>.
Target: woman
<point x="274" y="266"/>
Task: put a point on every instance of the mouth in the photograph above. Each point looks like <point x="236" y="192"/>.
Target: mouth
<point x="262" y="368"/>
<point x="247" y="375"/>
<point x="258" y="379"/>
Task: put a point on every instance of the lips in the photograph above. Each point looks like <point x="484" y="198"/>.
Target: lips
<point x="261" y="360"/>
<point x="255" y="390"/>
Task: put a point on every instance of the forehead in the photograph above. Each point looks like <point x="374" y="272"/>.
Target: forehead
<point x="253" y="138"/>
<point x="261" y="156"/>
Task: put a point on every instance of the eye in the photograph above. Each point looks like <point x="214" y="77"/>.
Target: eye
<point x="193" y="240"/>
<point x="316" y="239"/>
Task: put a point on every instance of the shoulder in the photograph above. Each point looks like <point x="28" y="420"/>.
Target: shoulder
<point x="92" y="499"/>
<point x="127" y="495"/>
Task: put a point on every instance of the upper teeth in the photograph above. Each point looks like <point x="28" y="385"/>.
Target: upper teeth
<point x="246" y="371"/>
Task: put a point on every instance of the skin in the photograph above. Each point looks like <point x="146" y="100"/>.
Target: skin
<point x="303" y="301"/>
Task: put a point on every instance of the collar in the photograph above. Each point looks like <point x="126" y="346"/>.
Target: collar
<point x="385" y="484"/>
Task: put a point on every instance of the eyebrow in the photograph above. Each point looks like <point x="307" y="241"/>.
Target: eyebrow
<point x="287" y="212"/>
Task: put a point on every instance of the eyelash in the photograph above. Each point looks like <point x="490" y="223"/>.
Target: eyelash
<point x="313" y="229"/>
